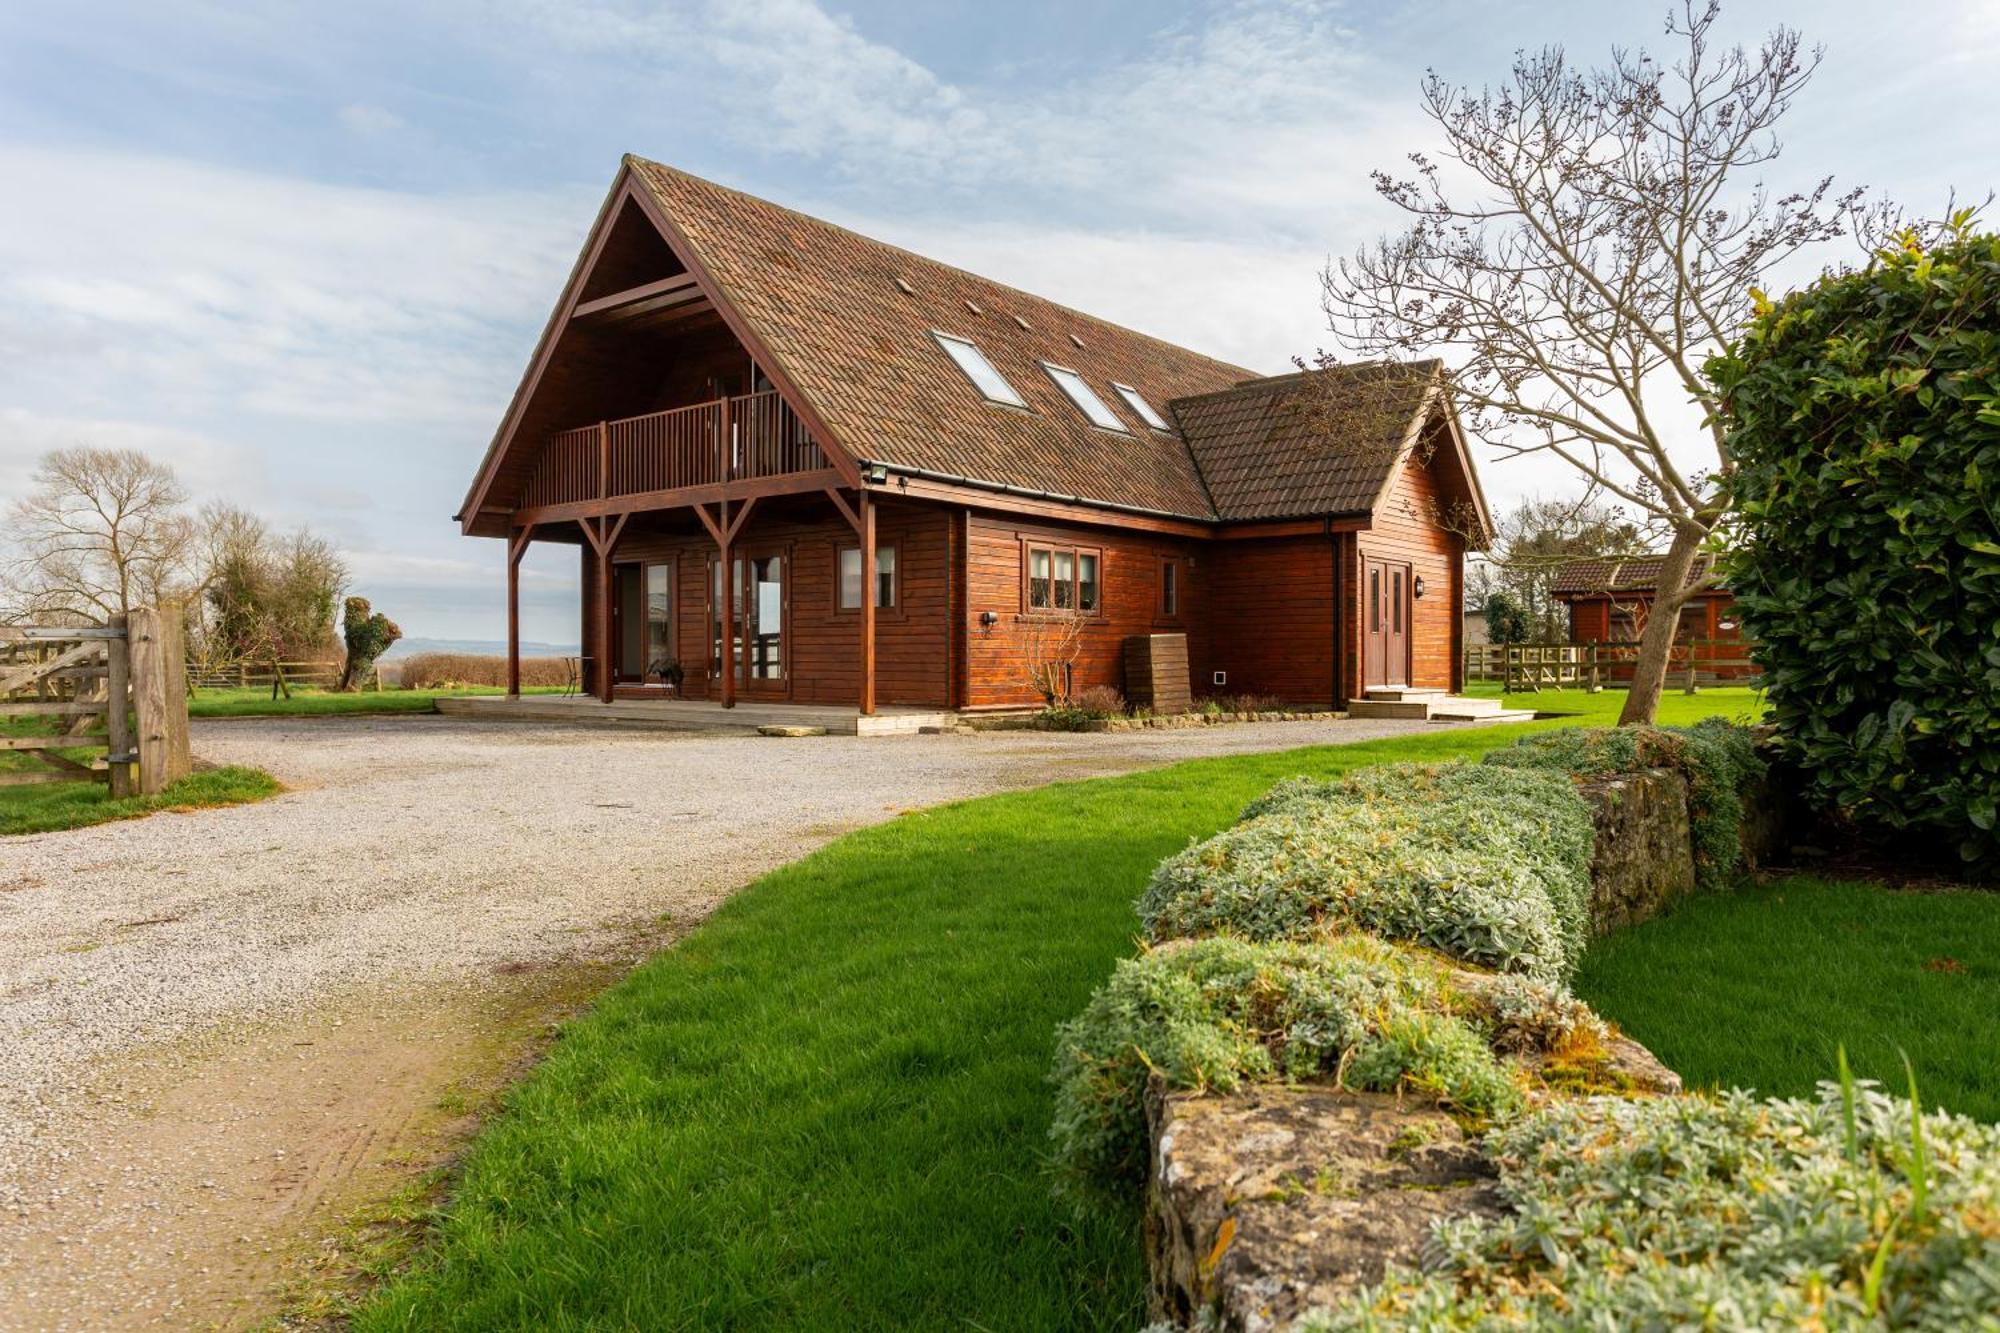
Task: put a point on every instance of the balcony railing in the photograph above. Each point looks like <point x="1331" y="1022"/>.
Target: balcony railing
<point x="749" y="436"/>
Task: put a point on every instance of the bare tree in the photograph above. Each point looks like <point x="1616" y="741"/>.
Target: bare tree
<point x="102" y="531"/>
<point x="1537" y="538"/>
<point x="1050" y="644"/>
<point x="1581" y="245"/>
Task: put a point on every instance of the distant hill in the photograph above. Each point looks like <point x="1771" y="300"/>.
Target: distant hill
<point x="478" y="647"/>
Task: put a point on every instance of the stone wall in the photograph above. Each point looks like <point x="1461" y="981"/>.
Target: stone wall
<point x="1268" y="1202"/>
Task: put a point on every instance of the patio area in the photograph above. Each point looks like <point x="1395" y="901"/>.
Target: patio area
<point x="696" y="714"/>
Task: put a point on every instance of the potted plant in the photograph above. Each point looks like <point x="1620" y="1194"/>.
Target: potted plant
<point x="670" y="672"/>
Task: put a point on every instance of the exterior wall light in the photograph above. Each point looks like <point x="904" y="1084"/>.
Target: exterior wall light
<point x="876" y="474"/>
<point x="988" y="619"/>
<point x="1417" y="586"/>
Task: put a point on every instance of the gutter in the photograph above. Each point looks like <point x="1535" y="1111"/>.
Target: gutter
<point x="1029" y="493"/>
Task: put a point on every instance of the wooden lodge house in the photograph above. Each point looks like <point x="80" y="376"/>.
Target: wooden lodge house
<point x="804" y="466"/>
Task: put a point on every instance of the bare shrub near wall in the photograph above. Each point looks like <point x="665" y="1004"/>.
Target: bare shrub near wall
<point x="427" y="671"/>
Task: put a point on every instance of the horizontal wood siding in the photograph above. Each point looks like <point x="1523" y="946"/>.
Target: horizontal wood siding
<point x="1407" y="529"/>
<point x="996" y="668"/>
<point x="912" y="652"/>
<point x="1272" y="607"/>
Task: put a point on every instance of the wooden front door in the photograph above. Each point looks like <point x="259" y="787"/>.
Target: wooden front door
<point x="1386" y="651"/>
<point x="642" y="611"/>
<point x="762" y="650"/>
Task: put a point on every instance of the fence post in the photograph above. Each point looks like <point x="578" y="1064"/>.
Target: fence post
<point x="1596" y="681"/>
<point x="118" y="709"/>
<point x="159" y="696"/>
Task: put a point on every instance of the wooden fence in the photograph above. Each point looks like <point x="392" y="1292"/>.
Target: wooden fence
<point x="131" y="673"/>
<point x="242" y="675"/>
<point x="1591" y="666"/>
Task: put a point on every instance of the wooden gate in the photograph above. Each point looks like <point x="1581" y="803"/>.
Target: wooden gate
<point x="130" y="673"/>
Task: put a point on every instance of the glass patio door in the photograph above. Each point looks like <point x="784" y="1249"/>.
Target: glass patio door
<point x="761" y="607"/>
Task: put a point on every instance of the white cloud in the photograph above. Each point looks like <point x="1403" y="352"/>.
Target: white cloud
<point x="363" y="118"/>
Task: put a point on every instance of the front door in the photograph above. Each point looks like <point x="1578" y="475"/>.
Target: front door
<point x="642" y="611"/>
<point x="1386" y="656"/>
<point x="763" y="606"/>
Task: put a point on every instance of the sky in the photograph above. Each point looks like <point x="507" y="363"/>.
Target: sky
<point x="302" y="251"/>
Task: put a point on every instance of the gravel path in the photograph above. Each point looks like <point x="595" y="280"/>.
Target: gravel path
<point x="414" y="851"/>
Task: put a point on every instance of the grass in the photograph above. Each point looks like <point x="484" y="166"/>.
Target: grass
<point x="256" y="701"/>
<point x="45" y="807"/>
<point x="1762" y="988"/>
<point x="827" y="1107"/>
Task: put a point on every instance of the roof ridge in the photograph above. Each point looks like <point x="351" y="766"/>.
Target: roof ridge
<point x="632" y="159"/>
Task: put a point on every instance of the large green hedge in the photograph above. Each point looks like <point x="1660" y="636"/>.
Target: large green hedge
<point x="1864" y="415"/>
<point x="1487" y="865"/>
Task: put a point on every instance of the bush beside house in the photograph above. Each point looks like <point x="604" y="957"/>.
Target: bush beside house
<point x="1345" y="934"/>
<point x="1864" y="417"/>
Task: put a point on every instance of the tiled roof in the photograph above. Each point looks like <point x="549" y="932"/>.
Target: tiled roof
<point x="827" y="306"/>
<point x="1632" y="574"/>
<point x="1321" y="442"/>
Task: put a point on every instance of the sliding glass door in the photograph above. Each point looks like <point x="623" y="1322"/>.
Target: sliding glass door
<point x="642" y="613"/>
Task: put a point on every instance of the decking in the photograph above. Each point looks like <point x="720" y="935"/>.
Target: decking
<point x="695" y="714"/>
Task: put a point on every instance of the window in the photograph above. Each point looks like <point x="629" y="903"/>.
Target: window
<point x="979" y="370"/>
<point x="1170" y="588"/>
<point x="1064" y="578"/>
<point x="1085" y="398"/>
<point x="1135" y="401"/>
<point x="850" y="577"/>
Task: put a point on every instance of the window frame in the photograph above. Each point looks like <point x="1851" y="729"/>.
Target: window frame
<point x="945" y="342"/>
<point x="1077" y="554"/>
<point x="1142" y="407"/>
<point x="895" y="604"/>
<point x="1171" y="593"/>
<point x="1056" y="371"/>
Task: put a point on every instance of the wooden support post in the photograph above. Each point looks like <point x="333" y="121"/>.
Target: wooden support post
<point x="605" y="674"/>
<point x="118" y="710"/>
<point x="159" y="696"/>
<point x="517" y="547"/>
<point x="728" y="568"/>
<point x="865" y="511"/>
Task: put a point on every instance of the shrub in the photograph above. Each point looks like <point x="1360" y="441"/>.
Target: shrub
<point x="1715" y="757"/>
<point x="1215" y="1013"/>
<point x="367" y="634"/>
<point x="1864" y="416"/>
<point x="1488" y="865"/>
<point x="1099" y="701"/>
<point x="1215" y="705"/>
<point x="431" y="671"/>
<point x="1692" y="1212"/>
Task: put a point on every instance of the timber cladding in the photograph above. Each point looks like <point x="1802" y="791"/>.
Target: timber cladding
<point x="821" y="641"/>
<point x="997" y="654"/>
<point x="1407" y="530"/>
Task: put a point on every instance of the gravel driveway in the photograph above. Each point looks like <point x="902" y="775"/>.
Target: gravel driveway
<point x="411" y="853"/>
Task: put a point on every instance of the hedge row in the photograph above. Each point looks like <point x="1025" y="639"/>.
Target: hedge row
<point x="1215" y="1013"/>
<point x="1487" y="865"/>
<point x="1717" y="759"/>
<point x="1851" y="1211"/>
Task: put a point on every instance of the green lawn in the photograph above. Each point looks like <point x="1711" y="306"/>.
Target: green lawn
<point x="61" y="805"/>
<point x="825" y="1108"/>
<point x="256" y="701"/>
<point x="1759" y="988"/>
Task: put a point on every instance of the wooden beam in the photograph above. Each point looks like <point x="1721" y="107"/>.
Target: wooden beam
<point x="714" y="528"/>
<point x="846" y="509"/>
<point x="603" y="636"/>
<point x="517" y="547"/>
<point x="684" y="497"/>
<point x="121" y="751"/>
<point x="728" y="610"/>
<point x="31" y="671"/>
<point x="866" y="504"/>
<point x="682" y="284"/>
<point x="742" y="516"/>
<point x="47" y="634"/>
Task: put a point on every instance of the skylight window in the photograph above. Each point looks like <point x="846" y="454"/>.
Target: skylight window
<point x="1085" y="398"/>
<point x="1135" y="401"/>
<point x="979" y="370"/>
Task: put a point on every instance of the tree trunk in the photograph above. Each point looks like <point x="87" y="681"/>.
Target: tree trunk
<point x="1656" y="645"/>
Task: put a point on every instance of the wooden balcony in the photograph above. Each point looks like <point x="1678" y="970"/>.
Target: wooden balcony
<point x="751" y="437"/>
